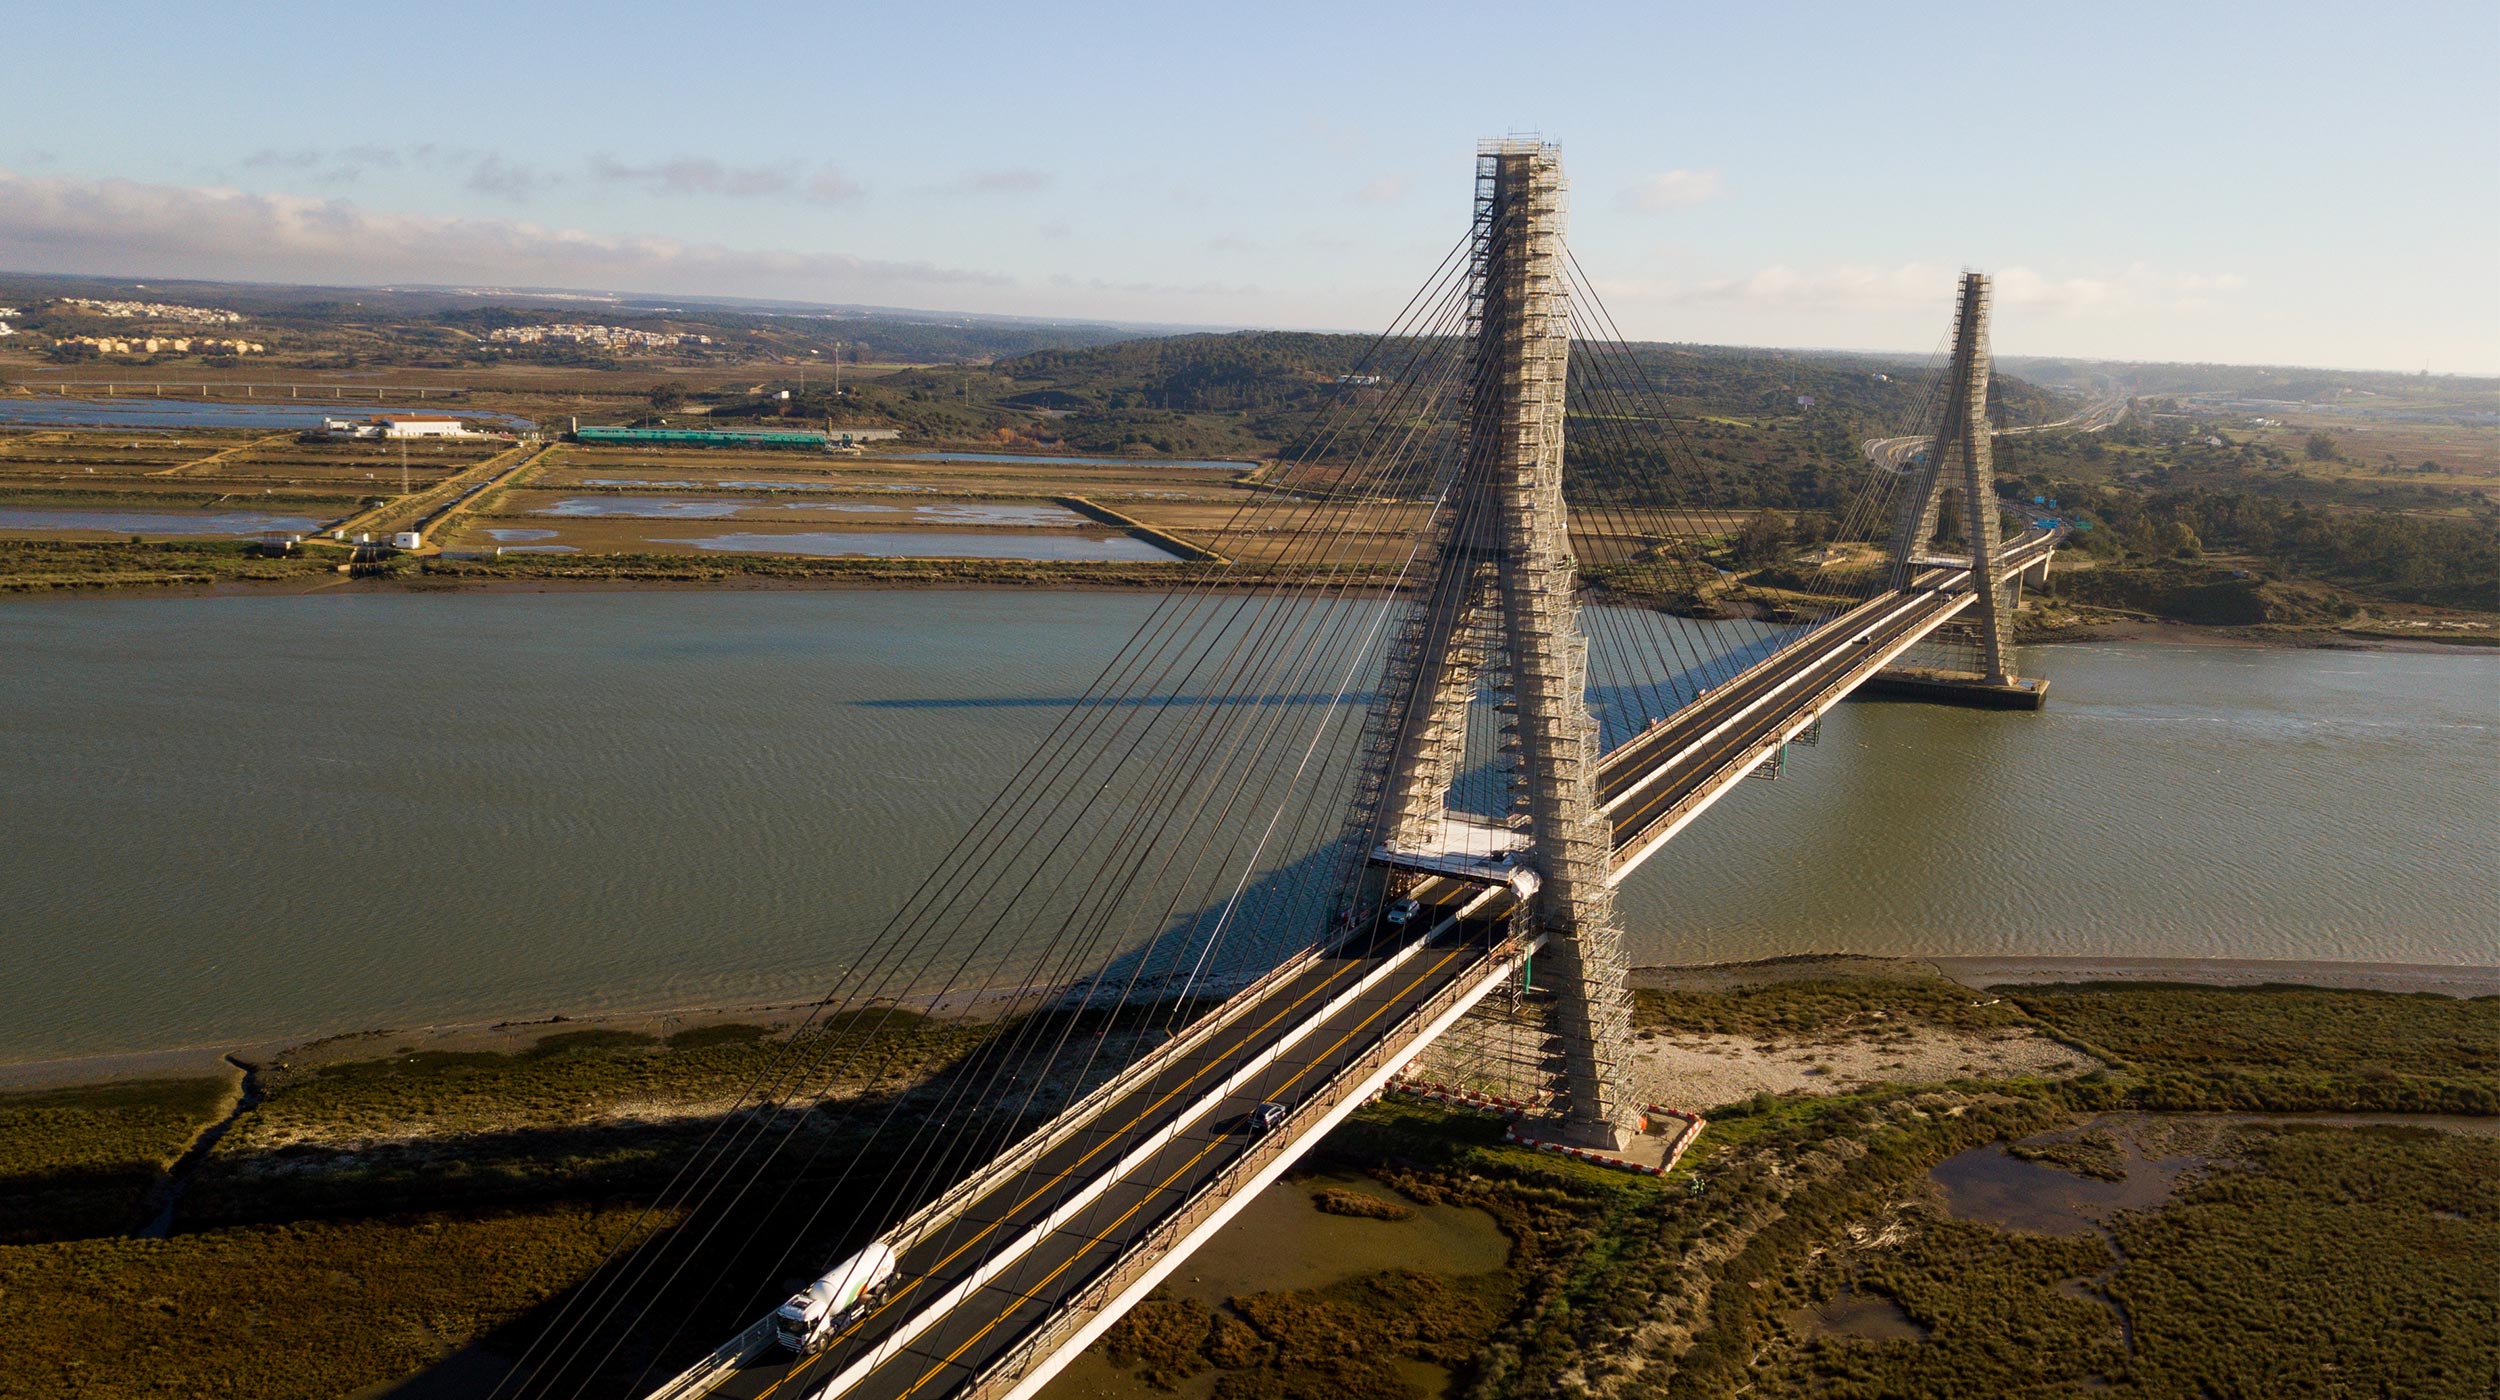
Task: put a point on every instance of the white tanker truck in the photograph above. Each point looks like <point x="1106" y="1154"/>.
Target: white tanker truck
<point x="816" y="1312"/>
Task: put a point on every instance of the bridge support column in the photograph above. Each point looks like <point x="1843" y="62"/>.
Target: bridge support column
<point x="1503" y="606"/>
<point x="1963" y="437"/>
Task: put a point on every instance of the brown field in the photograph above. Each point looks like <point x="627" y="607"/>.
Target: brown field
<point x="2392" y="454"/>
<point x="797" y="493"/>
<point x="156" y="470"/>
<point x="1046" y="510"/>
<point x="542" y="391"/>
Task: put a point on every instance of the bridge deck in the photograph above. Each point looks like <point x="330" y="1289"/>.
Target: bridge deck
<point x="1016" y="1270"/>
<point x="1033" y="1240"/>
<point x="1663" y="777"/>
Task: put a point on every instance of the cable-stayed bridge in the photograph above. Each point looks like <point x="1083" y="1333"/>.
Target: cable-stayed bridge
<point x="1468" y="662"/>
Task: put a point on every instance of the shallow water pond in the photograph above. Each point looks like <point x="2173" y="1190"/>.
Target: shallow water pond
<point x="1020" y="458"/>
<point x="645" y="507"/>
<point x="931" y="544"/>
<point x="1991" y="1185"/>
<point x="155" y="522"/>
<point x="1865" y="1317"/>
<point x="1283" y="1242"/>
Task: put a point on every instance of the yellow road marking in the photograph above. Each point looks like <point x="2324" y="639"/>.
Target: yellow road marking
<point x="905" y="1291"/>
<point x="1166" y="1184"/>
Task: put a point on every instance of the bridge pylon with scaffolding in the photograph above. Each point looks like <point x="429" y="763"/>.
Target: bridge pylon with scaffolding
<point x="1379" y="760"/>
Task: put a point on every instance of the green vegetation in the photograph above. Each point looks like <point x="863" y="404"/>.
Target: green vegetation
<point x="82" y="1161"/>
<point x="41" y="565"/>
<point x="293" y="1312"/>
<point x="2310" y="1262"/>
<point x="589" y="1111"/>
<point x="2161" y="536"/>
<point x="2326" y="1262"/>
<point x="1362" y="1205"/>
<point x="2286" y="1048"/>
<point x="430" y="1198"/>
<point x="1823" y="1007"/>
<point x="1997" y="1322"/>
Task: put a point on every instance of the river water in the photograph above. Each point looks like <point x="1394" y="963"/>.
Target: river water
<point x="238" y="818"/>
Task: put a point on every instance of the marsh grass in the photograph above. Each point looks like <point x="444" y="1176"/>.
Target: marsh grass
<point x="40" y="565"/>
<point x="294" y="1312"/>
<point x="81" y="1161"/>
<point x="2283" y="1048"/>
<point x="1824" y="1007"/>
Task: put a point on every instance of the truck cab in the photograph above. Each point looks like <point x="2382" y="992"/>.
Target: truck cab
<point x="809" y="1320"/>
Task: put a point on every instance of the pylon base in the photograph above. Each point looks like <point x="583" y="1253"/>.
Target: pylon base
<point x="1941" y="687"/>
<point x="1595" y="1137"/>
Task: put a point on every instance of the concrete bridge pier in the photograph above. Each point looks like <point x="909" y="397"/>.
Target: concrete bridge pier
<point x="1964" y="438"/>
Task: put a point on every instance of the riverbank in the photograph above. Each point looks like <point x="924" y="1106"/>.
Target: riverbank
<point x="464" y="1191"/>
<point x="178" y="569"/>
<point x="2459" y="980"/>
<point x="510" y="1034"/>
<point x="203" y="569"/>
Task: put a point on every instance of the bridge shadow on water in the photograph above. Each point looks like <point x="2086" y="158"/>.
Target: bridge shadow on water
<point x="856" y="1165"/>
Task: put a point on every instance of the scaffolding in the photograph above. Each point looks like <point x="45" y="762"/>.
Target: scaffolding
<point x="1499" y="629"/>
<point x="1964" y="437"/>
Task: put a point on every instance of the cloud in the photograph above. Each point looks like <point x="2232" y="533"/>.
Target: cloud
<point x="1237" y="290"/>
<point x="62" y="224"/>
<point x="1005" y="182"/>
<point x="1388" y="189"/>
<point x="1676" y="189"/>
<point x="694" y="175"/>
<point x="831" y="186"/>
<point x="508" y="180"/>
<point x="682" y="177"/>
<point x="1911" y="286"/>
<point x="342" y="165"/>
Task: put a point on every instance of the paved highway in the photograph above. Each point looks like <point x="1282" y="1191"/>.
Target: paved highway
<point x="1030" y="1238"/>
<point x="971" y="1289"/>
<point x="1665" y="770"/>
<point x="1892" y="453"/>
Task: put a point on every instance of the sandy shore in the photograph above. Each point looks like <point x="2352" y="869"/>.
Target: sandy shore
<point x="2012" y="1056"/>
<point x="502" y="1035"/>
<point x="2445" y="979"/>
<point x="2126" y="629"/>
<point x="1703" y="1072"/>
<point x="2456" y="981"/>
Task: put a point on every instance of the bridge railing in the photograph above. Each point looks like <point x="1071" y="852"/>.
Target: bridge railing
<point x="1630" y="852"/>
<point x="1136" y="1266"/>
<point x="1072" y="1119"/>
<point x="699" y="1378"/>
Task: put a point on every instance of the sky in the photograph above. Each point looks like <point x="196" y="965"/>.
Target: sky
<point x="2278" y="183"/>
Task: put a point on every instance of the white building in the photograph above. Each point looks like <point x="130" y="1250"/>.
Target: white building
<point x="421" y="427"/>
